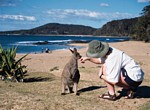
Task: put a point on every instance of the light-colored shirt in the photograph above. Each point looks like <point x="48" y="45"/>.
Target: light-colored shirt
<point x="117" y="60"/>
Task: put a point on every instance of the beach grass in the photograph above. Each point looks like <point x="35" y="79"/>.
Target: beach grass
<point x="42" y="91"/>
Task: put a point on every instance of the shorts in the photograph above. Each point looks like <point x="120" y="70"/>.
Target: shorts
<point x="128" y="80"/>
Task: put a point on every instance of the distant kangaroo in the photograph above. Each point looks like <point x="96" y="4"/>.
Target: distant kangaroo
<point x="70" y="75"/>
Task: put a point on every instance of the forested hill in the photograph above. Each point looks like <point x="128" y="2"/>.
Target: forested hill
<point x="56" y="29"/>
<point x="124" y="27"/>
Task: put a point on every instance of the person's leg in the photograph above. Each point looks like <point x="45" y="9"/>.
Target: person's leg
<point x="110" y="86"/>
<point x="110" y="95"/>
<point x="122" y="82"/>
<point x="128" y="84"/>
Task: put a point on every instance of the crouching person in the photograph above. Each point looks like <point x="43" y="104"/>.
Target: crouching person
<point x="117" y="68"/>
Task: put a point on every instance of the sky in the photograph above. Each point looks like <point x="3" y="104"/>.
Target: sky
<point x="28" y="14"/>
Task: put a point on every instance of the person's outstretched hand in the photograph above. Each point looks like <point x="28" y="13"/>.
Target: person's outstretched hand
<point x="83" y="59"/>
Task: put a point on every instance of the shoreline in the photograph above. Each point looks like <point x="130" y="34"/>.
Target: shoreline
<point x="38" y="44"/>
<point x="63" y="35"/>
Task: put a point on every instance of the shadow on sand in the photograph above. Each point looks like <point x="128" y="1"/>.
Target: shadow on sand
<point x="142" y="92"/>
<point x="90" y="88"/>
<point x="37" y="79"/>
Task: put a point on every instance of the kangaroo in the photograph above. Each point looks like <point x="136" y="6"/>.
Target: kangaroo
<point x="71" y="75"/>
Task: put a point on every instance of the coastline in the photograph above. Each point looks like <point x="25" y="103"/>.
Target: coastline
<point x="37" y="44"/>
<point x="60" y="35"/>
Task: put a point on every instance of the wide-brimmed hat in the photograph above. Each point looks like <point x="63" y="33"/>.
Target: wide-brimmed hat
<point x="97" y="49"/>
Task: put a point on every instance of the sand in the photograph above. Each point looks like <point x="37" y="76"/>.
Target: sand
<point x="43" y="62"/>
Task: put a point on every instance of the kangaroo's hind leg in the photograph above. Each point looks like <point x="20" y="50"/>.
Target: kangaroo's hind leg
<point x="63" y="89"/>
<point x="76" y="88"/>
<point x="70" y="89"/>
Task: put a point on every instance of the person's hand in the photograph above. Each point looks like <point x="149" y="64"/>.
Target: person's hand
<point x="83" y="59"/>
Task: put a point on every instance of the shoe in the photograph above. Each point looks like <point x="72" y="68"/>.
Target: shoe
<point x="108" y="96"/>
<point x="131" y="93"/>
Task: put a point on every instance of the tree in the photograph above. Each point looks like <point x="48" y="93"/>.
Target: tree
<point x="142" y="27"/>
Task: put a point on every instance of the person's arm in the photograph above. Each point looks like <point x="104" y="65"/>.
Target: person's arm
<point x="93" y="60"/>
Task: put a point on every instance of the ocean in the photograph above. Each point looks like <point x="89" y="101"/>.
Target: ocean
<point x="37" y="44"/>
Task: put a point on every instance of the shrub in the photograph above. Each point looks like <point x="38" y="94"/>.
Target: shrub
<point x="11" y="69"/>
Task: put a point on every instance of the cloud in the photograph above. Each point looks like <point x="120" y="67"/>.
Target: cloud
<point x="60" y="14"/>
<point x="143" y="1"/>
<point x="18" y="17"/>
<point x="104" y="4"/>
<point x="7" y="5"/>
<point x="4" y="3"/>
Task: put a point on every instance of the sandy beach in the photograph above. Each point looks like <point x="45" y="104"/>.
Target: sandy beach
<point x="42" y="87"/>
<point x="43" y="62"/>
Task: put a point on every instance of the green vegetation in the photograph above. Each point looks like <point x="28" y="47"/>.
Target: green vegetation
<point x="117" y="28"/>
<point x="142" y="28"/>
<point x="10" y="69"/>
<point x="138" y="28"/>
<point x="55" y="29"/>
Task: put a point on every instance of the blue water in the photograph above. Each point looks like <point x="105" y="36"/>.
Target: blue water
<point x="28" y="43"/>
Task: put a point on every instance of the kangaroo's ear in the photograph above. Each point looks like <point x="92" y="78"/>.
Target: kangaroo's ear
<point x="71" y="50"/>
<point x="75" y="50"/>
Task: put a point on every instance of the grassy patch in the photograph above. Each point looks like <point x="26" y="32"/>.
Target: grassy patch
<point x="43" y="92"/>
